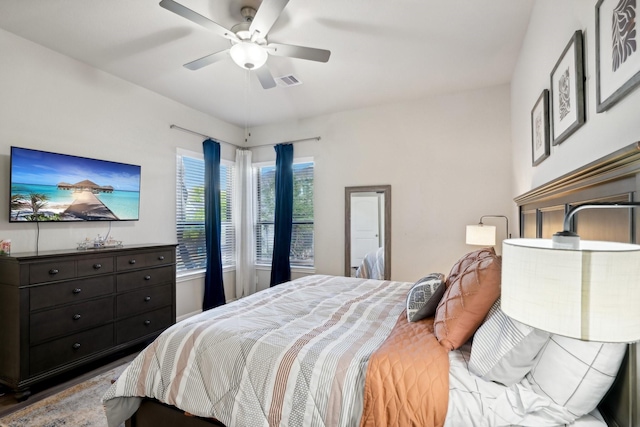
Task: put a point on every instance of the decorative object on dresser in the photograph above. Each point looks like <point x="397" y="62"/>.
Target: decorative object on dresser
<point x="567" y="91"/>
<point x="617" y="56"/>
<point x="62" y="309"/>
<point x="540" y="147"/>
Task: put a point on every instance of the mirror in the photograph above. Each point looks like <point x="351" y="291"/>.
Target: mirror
<point x="367" y="226"/>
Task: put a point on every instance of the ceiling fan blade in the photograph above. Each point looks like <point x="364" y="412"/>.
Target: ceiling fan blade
<point x="265" y="77"/>
<point x="207" y="60"/>
<point x="266" y="16"/>
<point x="301" y="52"/>
<point x="195" y="17"/>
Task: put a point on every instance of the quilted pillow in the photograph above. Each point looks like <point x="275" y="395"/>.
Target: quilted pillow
<point x="424" y="296"/>
<point x="575" y="374"/>
<point x="467" y="300"/>
<point x="467" y="260"/>
<point x="504" y="349"/>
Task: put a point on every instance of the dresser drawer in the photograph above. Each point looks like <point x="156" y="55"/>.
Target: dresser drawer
<point x="145" y="299"/>
<point x="69" y="319"/>
<point x="144" y="259"/>
<point x="71" y="291"/>
<point x="143" y="324"/>
<point x="153" y="259"/>
<point x="144" y="278"/>
<point x="67" y="349"/>
<point x="90" y="267"/>
<point x="51" y="270"/>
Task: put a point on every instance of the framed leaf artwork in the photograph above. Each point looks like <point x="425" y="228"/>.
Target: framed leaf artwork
<point x="567" y="91"/>
<point x="617" y="51"/>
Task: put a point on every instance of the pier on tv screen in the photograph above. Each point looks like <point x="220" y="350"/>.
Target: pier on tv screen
<point x="59" y="187"/>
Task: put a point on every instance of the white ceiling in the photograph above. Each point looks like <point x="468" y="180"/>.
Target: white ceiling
<point x="382" y="51"/>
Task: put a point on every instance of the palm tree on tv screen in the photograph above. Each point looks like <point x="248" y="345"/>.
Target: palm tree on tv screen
<point x="37" y="201"/>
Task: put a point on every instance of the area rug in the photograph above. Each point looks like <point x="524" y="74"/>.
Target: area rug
<point x="77" y="406"/>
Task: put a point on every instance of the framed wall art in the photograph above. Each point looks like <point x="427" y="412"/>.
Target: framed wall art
<point x="617" y="55"/>
<point x="540" y="129"/>
<point x="567" y="91"/>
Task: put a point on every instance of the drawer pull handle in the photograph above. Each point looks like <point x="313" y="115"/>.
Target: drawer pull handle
<point x="147" y="298"/>
<point x="76" y="346"/>
<point x="76" y="317"/>
<point x="161" y="258"/>
<point x="147" y="322"/>
<point x="77" y="290"/>
<point x="147" y="277"/>
<point x="54" y="271"/>
<point x="132" y="261"/>
<point x="97" y="266"/>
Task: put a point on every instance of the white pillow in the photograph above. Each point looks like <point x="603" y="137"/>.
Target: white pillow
<point x="575" y="374"/>
<point x="504" y="349"/>
<point x="424" y="296"/>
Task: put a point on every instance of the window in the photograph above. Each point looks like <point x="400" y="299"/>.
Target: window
<point x="301" y="254"/>
<point x="191" y="249"/>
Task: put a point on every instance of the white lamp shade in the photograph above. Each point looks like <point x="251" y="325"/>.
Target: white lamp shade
<point x="480" y="234"/>
<point x="591" y="293"/>
<point x="248" y="55"/>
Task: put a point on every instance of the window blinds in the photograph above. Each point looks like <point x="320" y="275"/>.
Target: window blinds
<point x="302" y="238"/>
<point x="191" y="251"/>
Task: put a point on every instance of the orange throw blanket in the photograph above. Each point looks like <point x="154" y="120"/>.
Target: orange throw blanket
<point x="407" y="382"/>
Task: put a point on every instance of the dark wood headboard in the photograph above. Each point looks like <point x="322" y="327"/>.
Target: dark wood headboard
<point x="613" y="178"/>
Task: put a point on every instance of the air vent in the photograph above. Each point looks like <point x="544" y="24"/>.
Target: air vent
<point x="289" y="80"/>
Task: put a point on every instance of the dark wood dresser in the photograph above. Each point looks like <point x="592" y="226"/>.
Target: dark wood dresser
<point x="62" y="309"/>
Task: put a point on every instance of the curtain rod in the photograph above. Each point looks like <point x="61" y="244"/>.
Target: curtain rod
<point x="317" y="138"/>
<point x="203" y="135"/>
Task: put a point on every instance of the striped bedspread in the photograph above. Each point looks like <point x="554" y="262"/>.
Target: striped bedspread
<point x="292" y="355"/>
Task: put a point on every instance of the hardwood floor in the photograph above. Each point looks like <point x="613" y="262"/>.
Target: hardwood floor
<point x="9" y="404"/>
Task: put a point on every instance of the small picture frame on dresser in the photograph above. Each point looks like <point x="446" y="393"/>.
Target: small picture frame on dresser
<point x="567" y="91"/>
<point x="540" y="146"/>
<point x="5" y="247"/>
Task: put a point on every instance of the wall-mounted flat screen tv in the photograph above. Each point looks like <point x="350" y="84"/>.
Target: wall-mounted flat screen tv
<point x="58" y="187"/>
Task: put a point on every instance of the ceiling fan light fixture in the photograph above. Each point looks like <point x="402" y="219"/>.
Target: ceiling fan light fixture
<point x="248" y="55"/>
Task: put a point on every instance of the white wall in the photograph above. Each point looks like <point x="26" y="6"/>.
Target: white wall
<point x="551" y="26"/>
<point x="447" y="159"/>
<point x="51" y="102"/>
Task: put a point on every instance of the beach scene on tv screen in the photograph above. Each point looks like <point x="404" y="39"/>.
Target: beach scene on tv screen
<point x="57" y="187"/>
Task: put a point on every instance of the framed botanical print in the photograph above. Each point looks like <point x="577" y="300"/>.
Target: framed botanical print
<point x="540" y="129"/>
<point x="617" y="51"/>
<point x="567" y="91"/>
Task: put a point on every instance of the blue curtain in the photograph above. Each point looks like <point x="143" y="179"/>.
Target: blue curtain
<point x="213" y="286"/>
<point x="280" y="266"/>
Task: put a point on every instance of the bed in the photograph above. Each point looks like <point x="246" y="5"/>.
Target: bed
<point x="336" y="351"/>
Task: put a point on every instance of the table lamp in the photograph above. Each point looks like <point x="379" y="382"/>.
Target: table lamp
<point x="484" y="235"/>
<point x="589" y="290"/>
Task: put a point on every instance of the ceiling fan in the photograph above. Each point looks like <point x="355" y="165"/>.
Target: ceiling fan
<point x="249" y="46"/>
